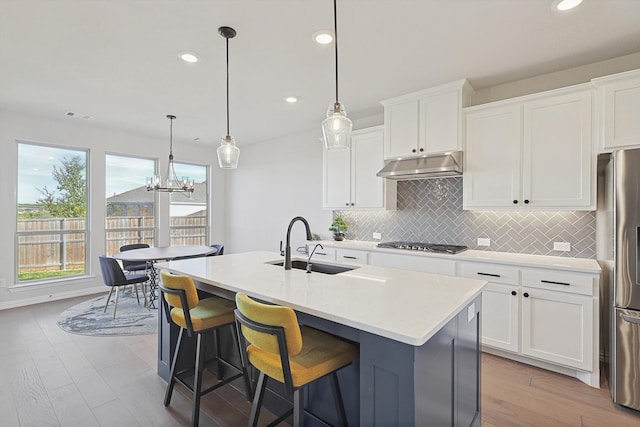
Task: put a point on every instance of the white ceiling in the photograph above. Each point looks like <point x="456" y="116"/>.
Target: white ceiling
<point x="116" y="60"/>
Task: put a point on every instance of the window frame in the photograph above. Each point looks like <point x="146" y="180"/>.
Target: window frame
<point x="156" y="209"/>
<point x="207" y="231"/>
<point x="87" y="219"/>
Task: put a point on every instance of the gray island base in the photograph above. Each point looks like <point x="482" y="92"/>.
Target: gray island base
<point x="393" y="383"/>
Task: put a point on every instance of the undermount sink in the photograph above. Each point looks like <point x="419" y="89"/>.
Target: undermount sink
<point x="317" y="267"/>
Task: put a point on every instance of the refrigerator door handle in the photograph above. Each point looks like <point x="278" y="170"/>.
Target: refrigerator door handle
<point x="630" y="319"/>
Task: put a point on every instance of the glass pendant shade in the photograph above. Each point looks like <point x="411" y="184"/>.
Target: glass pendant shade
<point x="336" y="128"/>
<point x="228" y="153"/>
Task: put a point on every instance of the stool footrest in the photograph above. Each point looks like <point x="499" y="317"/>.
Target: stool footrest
<point x="281" y="418"/>
<point x="221" y="383"/>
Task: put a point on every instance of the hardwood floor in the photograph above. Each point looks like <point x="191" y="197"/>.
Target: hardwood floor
<point x="52" y="378"/>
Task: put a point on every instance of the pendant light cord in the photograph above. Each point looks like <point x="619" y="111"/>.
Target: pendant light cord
<point x="227" y="88"/>
<point x="335" y="42"/>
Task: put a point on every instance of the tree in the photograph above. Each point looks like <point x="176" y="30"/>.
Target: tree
<point x="72" y="184"/>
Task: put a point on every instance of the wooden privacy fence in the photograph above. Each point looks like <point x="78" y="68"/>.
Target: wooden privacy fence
<point x="55" y="244"/>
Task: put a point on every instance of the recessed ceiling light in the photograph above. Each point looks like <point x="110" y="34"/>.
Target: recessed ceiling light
<point x="190" y="57"/>
<point x="291" y="99"/>
<point x="323" y="37"/>
<point x="563" y="5"/>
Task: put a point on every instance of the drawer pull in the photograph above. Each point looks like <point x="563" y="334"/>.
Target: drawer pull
<point x="488" y="274"/>
<point x="551" y="282"/>
<point x="321" y="253"/>
<point x="349" y="257"/>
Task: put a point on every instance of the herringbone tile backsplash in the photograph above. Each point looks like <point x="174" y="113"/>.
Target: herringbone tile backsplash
<point x="431" y="211"/>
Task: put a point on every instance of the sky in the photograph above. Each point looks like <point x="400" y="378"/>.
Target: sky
<point x="35" y="171"/>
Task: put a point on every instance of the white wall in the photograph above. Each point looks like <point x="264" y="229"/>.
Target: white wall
<point x="275" y="182"/>
<point x="558" y="79"/>
<point x="77" y="134"/>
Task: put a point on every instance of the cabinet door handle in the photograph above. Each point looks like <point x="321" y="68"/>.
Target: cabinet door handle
<point x="526" y="295"/>
<point x="421" y="150"/>
<point x="515" y="202"/>
<point x="514" y="293"/>
<point x="321" y="253"/>
<point x="346" y="204"/>
<point x="352" y="204"/>
<point x="526" y="202"/>
<point x="551" y="282"/>
<point x="349" y="257"/>
<point x="488" y="274"/>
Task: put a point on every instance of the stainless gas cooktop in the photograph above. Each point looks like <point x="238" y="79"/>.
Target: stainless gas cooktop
<point x="423" y="247"/>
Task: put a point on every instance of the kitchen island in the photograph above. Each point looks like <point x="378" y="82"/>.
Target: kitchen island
<point x="418" y="334"/>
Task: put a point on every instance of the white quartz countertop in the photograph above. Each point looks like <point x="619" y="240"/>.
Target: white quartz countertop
<point x="402" y="305"/>
<point x="583" y="265"/>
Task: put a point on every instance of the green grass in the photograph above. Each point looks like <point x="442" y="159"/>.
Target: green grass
<point x="43" y="275"/>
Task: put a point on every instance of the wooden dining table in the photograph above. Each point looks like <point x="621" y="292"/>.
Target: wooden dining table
<point x="163" y="253"/>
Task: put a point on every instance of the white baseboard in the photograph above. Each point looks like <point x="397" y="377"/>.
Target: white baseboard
<point x="51" y="297"/>
<point x="591" y="378"/>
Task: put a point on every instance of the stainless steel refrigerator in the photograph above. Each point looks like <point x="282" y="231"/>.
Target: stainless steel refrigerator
<point x="619" y="217"/>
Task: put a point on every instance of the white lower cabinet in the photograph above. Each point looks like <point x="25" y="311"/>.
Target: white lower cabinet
<point x="414" y="263"/>
<point x="352" y="256"/>
<point x="558" y="327"/>
<point x="500" y="303"/>
<point x="501" y="316"/>
<point x="541" y="316"/>
<point x="327" y="254"/>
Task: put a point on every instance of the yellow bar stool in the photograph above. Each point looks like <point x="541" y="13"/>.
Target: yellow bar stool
<point x="197" y="316"/>
<point x="295" y="355"/>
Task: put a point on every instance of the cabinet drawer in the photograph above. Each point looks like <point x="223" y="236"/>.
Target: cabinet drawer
<point x="575" y="283"/>
<point x="326" y="253"/>
<point x="491" y="272"/>
<point x="414" y="263"/>
<point x="351" y="256"/>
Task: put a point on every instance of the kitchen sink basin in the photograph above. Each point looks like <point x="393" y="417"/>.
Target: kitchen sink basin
<point x="317" y="267"/>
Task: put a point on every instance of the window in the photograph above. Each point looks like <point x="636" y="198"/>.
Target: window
<point x="51" y="231"/>
<point x="188" y="212"/>
<point x="130" y="208"/>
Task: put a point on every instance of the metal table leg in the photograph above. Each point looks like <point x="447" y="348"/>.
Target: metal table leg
<point x="153" y="284"/>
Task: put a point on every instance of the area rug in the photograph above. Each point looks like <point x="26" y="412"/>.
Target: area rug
<point x="87" y="318"/>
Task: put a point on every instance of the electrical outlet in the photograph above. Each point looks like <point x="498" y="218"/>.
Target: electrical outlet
<point x="484" y="241"/>
<point x="377" y="236"/>
<point x="562" y="246"/>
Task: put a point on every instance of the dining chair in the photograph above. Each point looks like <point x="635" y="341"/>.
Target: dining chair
<point x="294" y="355"/>
<point x="219" y="250"/>
<point x="134" y="266"/>
<point x="198" y="317"/>
<point x="113" y="276"/>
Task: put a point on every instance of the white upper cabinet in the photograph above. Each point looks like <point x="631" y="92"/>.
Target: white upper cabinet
<point x="533" y="152"/>
<point x="401" y="129"/>
<point x="425" y="122"/>
<point x="350" y="180"/>
<point x="492" y="157"/>
<point x="619" y="110"/>
<point x="557" y="152"/>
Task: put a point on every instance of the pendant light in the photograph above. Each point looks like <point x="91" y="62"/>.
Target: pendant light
<point x="228" y="152"/>
<point x="170" y="182"/>
<point x="336" y="128"/>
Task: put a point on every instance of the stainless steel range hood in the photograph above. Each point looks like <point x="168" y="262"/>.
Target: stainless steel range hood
<point x="431" y="166"/>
